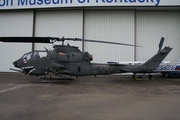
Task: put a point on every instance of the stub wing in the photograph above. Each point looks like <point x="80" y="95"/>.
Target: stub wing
<point x="56" y="66"/>
<point x="58" y="69"/>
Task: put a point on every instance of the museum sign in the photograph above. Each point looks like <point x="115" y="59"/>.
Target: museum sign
<point x="24" y="4"/>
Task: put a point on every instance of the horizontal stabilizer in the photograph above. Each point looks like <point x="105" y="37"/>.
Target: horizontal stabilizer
<point x="113" y="63"/>
<point x="116" y="64"/>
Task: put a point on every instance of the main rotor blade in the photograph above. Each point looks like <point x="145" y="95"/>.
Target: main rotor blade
<point x="98" y="41"/>
<point x="29" y="39"/>
<point x="54" y="39"/>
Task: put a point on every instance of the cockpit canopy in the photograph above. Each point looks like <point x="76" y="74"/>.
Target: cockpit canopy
<point x="34" y="55"/>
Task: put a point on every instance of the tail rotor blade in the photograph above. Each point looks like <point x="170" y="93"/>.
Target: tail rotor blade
<point x="161" y="43"/>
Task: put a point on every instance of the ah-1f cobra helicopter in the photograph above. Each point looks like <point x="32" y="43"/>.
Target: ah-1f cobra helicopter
<point x="66" y="60"/>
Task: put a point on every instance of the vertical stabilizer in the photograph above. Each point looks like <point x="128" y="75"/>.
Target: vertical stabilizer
<point x="157" y="58"/>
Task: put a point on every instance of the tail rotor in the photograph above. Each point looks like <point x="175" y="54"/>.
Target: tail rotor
<point x="161" y="43"/>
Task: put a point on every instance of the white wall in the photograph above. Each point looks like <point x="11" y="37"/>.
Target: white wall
<point x="151" y="26"/>
<point x="14" y="23"/>
<point x="110" y="25"/>
<point x="67" y="23"/>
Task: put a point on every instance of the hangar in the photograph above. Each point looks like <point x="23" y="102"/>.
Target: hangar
<point x="139" y="22"/>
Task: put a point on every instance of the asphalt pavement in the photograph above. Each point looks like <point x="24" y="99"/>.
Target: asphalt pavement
<point x="111" y="97"/>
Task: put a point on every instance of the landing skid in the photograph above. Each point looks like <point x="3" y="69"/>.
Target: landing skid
<point x="53" y="80"/>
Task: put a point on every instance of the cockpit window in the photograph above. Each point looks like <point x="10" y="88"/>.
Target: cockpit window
<point x="27" y="56"/>
<point x="34" y="55"/>
<point x="39" y="54"/>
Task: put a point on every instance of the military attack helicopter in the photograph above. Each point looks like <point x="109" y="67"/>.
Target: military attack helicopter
<point x="66" y="61"/>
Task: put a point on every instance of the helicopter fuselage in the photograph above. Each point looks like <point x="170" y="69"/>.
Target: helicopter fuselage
<point x="69" y="60"/>
<point x="42" y="66"/>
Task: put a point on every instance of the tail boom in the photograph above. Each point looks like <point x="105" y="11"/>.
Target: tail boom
<point x="147" y="67"/>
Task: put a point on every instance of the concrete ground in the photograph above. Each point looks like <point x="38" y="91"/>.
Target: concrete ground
<point x="88" y="98"/>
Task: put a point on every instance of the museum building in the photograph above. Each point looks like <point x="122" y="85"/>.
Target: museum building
<point x="137" y="22"/>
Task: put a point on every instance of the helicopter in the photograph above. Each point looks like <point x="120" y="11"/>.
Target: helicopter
<point x="66" y="61"/>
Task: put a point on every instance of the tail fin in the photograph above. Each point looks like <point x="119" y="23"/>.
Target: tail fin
<point x="157" y="58"/>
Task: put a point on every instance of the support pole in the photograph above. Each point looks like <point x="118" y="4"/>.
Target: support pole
<point x="83" y="31"/>
<point x="33" y="28"/>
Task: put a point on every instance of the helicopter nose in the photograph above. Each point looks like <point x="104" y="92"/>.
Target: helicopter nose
<point x="15" y="63"/>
